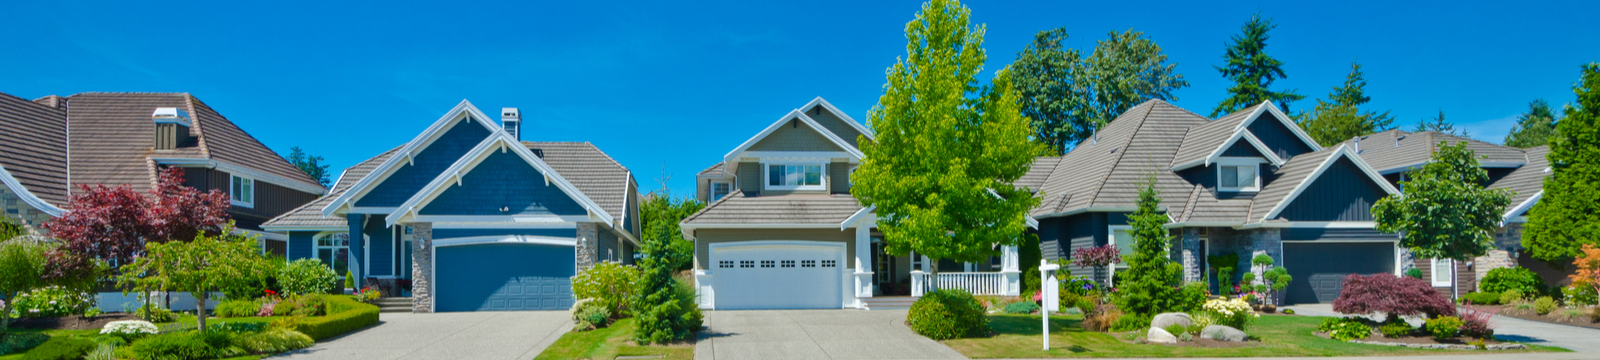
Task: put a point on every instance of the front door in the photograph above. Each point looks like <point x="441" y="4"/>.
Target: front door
<point x="884" y="266"/>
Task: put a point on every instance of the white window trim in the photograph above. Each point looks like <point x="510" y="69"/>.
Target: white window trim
<point x="766" y="182"/>
<point x="1237" y="161"/>
<point x="711" y="191"/>
<point x="317" y="247"/>
<point x="1111" y="239"/>
<point x="1434" y="272"/>
<point x="234" y="198"/>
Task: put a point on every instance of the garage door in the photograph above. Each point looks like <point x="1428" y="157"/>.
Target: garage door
<point x="503" y="277"/>
<point x="778" y="277"/>
<point x="1319" y="268"/>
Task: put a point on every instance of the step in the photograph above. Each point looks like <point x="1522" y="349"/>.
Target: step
<point x="889" y="302"/>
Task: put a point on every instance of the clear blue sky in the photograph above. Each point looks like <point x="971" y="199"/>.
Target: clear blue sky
<point x="681" y="83"/>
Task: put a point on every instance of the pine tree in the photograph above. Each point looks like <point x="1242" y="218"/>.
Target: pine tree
<point x="1340" y="118"/>
<point x="1534" y="127"/>
<point x="1568" y="214"/>
<point x="1252" y="70"/>
<point x="1440" y="125"/>
<point x="1150" y="285"/>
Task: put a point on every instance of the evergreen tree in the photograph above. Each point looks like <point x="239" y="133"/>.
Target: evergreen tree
<point x="1440" y="125"/>
<point x="311" y="165"/>
<point x="1445" y="213"/>
<point x="1150" y="285"/>
<point x="1534" y="127"/>
<point x="1252" y="71"/>
<point x="1340" y="118"/>
<point x="1067" y="96"/>
<point x="1568" y="215"/>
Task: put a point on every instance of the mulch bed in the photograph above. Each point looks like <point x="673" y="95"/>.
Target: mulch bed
<point x="1421" y="340"/>
<point x="71" y="322"/>
<point x="1581" y="321"/>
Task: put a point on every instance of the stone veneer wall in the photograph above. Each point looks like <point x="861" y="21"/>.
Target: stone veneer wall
<point x="1248" y="244"/>
<point x="13" y="207"/>
<point x="587" y="248"/>
<point x="1189" y="255"/>
<point x="1506" y="238"/>
<point x="422" y="268"/>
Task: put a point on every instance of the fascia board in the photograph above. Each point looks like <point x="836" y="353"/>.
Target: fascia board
<point x="497" y="141"/>
<point x="851" y="221"/>
<point x="1521" y="208"/>
<point x="461" y="111"/>
<point x="819" y="101"/>
<point x="28" y="196"/>
<point x="1087" y="209"/>
<point x="1287" y="121"/>
<point x="275" y="228"/>
<point x="733" y="156"/>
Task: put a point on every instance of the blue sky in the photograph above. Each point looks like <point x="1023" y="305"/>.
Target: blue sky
<point x="678" y="84"/>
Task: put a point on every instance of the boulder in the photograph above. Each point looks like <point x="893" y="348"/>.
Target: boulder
<point x="1166" y="320"/>
<point x="1220" y="332"/>
<point x="1159" y="336"/>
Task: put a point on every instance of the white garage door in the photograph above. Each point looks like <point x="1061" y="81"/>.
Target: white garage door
<point x="778" y="276"/>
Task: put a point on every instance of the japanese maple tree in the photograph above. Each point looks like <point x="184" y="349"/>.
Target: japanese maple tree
<point x="1394" y="295"/>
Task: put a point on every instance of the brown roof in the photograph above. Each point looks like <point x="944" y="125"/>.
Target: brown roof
<point x="310" y="214"/>
<point x="33" y="148"/>
<point x="738" y="209"/>
<point x="1108" y="171"/>
<point x="713" y="170"/>
<point x="593" y="172"/>
<point x="1034" y="179"/>
<point x="1203" y="140"/>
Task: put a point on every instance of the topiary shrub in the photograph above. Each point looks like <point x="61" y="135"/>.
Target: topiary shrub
<point x="608" y="283"/>
<point x="1481" y="298"/>
<point x="238" y="308"/>
<point x="1518" y="278"/>
<point x="61" y="348"/>
<point x="1510" y="296"/>
<point x="1130" y="322"/>
<point x="1395" y="295"/>
<point x="948" y="314"/>
<point x="1415" y="273"/>
<point x="1444" y="327"/>
<point x="1544" y="305"/>
<point x="306" y="276"/>
<point x="16" y="342"/>
<point x="1021" y="307"/>
<point x="274" y="341"/>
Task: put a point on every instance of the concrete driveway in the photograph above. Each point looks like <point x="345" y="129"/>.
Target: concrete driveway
<point x="814" y="334"/>
<point x="473" y="335"/>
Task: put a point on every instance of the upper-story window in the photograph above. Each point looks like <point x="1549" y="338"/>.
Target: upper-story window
<point x="794" y="177"/>
<point x="720" y="189"/>
<point x="242" y="191"/>
<point x="1239" y="174"/>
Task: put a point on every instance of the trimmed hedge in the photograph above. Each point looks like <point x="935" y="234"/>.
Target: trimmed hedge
<point x="947" y="314"/>
<point x="345" y="314"/>
<point x="61" y="348"/>
<point x="16" y="342"/>
<point x="1481" y="298"/>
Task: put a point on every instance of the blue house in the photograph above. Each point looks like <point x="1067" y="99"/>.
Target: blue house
<point x="471" y="217"/>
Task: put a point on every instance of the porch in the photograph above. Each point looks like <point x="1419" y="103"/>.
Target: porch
<point x="878" y="274"/>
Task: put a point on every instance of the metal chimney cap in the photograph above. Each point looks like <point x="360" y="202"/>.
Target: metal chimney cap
<point x="510" y="113"/>
<point x="169" y="115"/>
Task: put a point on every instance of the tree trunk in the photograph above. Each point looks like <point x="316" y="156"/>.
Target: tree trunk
<point x="5" y="313"/>
<point x="200" y="308"/>
<point x="933" y="274"/>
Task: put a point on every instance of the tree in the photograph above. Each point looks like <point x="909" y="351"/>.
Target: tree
<point x="1067" y="96"/>
<point x="946" y="150"/>
<point x="1440" y="125"/>
<point x="1150" y="285"/>
<point x="662" y="312"/>
<point x="311" y="165"/>
<point x="664" y="209"/>
<point x="22" y="266"/>
<point x="1340" y="117"/>
<point x="206" y="264"/>
<point x="1445" y="213"/>
<point x="1568" y="215"/>
<point x="1252" y="71"/>
<point x="1534" y="127"/>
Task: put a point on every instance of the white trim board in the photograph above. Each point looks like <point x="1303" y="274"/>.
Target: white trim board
<point x="1341" y="151"/>
<point x="1237" y="135"/>
<point x="502" y="142"/>
<point x="733" y="156"/>
<point x="1522" y="208"/>
<point x="506" y="239"/>
<point x="462" y="111"/>
<point x="1284" y="119"/>
<point x="27" y="196"/>
<point x="233" y="169"/>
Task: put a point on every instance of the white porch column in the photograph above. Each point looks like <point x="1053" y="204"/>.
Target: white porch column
<point x="863" y="272"/>
<point x="1008" y="268"/>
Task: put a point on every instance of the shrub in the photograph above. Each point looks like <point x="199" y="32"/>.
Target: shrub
<point x="1395" y="329"/>
<point x="1192" y="296"/>
<point x="345" y="314"/>
<point x="948" y="314"/>
<point x="349" y="281"/>
<point x="609" y="283"/>
<point x="1178" y="329"/>
<point x="156" y="314"/>
<point x="102" y="352"/>
<point x="1444" y="327"/>
<point x="1414" y="273"/>
<point x="1345" y="329"/>
<point x="283" y="308"/>
<point x="16" y="342"/>
<point x="1095" y="257"/>
<point x="1022" y="307"/>
<point x="238" y="327"/>
<point x="1234" y="312"/>
<point x="311" y="305"/>
<point x="1510" y="296"/>
<point x="1481" y="298"/>
<point x="61" y="348"/>
<point x="1386" y="293"/>
<point x="589" y="314"/>
<point x="1102" y="319"/>
<point x="1544" y="305"/>
<point x="174" y="346"/>
<point x="1130" y="322"/>
<point x="1580" y="294"/>
<point x="238" y="308"/>
<point x="306" y="276"/>
<point x="52" y="301"/>
<point x="368" y="295"/>
<point x="129" y="330"/>
<point x="275" y="341"/>
<point x="1519" y="278"/>
<point x="1519" y="307"/>
<point x="1569" y="314"/>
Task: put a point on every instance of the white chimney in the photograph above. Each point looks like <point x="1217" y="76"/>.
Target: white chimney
<point x="172" y="128"/>
<point x="511" y="119"/>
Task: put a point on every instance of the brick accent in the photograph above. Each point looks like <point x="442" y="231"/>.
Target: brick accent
<point x="587" y="249"/>
<point x="422" y="268"/>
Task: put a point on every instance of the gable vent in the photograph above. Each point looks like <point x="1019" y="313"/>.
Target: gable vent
<point x="511" y="120"/>
<point x="172" y="128"/>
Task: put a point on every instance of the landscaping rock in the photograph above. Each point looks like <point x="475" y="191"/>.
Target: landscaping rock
<point x="1160" y="336"/>
<point x="1220" y="332"/>
<point x="1166" y="320"/>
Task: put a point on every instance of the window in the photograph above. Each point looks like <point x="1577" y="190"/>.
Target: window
<point x="1238" y="175"/>
<point x="1442" y="271"/>
<point x="766" y="263"/>
<point x="828" y="263"/>
<point x="744" y="264"/>
<point x="1122" y="237"/>
<point x="794" y="177"/>
<point x="725" y="264"/>
<point x="242" y="191"/>
<point x="788" y="263"/>
<point x="718" y="190"/>
<point x="808" y="263"/>
<point x="334" y="250"/>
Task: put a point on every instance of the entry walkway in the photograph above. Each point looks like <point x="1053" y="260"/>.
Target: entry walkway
<point x="814" y="334"/>
<point x="468" y="335"/>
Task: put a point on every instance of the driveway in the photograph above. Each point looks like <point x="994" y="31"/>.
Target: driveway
<point x="814" y="334"/>
<point x="1575" y="338"/>
<point x="517" y="335"/>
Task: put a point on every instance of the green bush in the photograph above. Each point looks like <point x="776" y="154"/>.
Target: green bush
<point x="61" y="348"/>
<point x="608" y="283"/>
<point x="1395" y="329"/>
<point x="174" y="346"/>
<point x="239" y="327"/>
<point x="1444" y="327"/>
<point x="306" y="276"/>
<point x="1414" y="272"/>
<point x="1517" y="278"/>
<point x="274" y="341"/>
<point x="283" y="308"/>
<point x="16" y="342"/>
<point x="156" y="314"/>
<point x="589" y="314"/>
<point x="1580" y="295"/>
<point x="1345" y="329"/>
<point x="1021" y="307"/>
<point x="238" y="308"/>
<point x="310" y="305"/>
<point x="345" y="314"/>
<point x="1192" y="296"/>
<point x="349" y="282"/>
<point x="1178" y="329"/>
<point x="1481" y="298"/>
<point x="1544" y="305"/>
<point x="948" y="314"/>
<point x="51" y="301"/>
<point x="1130" y="322"/>
<point x="102" y="351"/>
<point x="1510" y="296"/>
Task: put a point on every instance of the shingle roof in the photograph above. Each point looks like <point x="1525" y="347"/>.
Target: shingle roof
<point x="310" y="214"/>
<point x="1528" y="179"/>
<point x="1203" y="140"/>
<point x="1294" y="172"/>
<point x="1037" y="173"/>
<point x="713" y="170"/>
<point x="1393" y="150"/>
<point x="1107" y="172"/>
<point x="33" y="147"/>
<point x="738" y="209"/>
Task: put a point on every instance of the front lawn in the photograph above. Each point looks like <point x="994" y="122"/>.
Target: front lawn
<point x="1281" y="336"/>
<point x="609" y="343"/>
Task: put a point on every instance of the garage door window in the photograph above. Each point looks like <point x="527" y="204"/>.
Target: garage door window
<point x="1441" y="272"/>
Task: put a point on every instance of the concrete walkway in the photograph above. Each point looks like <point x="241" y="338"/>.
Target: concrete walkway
<point x="1580" y="339"/>
<point x="814" y="334"/>
<point x="472" y="335"/>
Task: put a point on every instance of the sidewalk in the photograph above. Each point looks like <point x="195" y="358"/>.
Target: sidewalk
<point x="1580" y="339"/>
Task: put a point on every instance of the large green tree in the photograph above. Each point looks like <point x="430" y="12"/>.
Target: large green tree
<point x="946" y="150"/>
<point x="1252" y="71"/>
<point x="1438" y="124"/>
<point x="1150" y="284"/>
<point x="22" y="266"/>
<point x="664" y="314"/>
<point x="1568" y="214"/>
<point x="664" y="210"/>
<point x="210" y="263"/>
<point x="1534" y="127"/>
<point x="1340" y="117"/>
<point x="1445" y="213"/>
<point x="1067" y="96"/>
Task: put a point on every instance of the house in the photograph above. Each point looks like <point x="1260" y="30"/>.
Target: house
<point x="54" y="144"/>
<point x="1396" y="153"/>
<point x="1248" y="183"/>
<point x="782" y="230"/>
<point x="471" y="217"/>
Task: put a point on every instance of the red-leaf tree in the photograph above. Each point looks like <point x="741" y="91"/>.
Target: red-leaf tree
<point x="1395" y="295"/>
<point x="180" y="212"/>
<point x="113" y="223"/>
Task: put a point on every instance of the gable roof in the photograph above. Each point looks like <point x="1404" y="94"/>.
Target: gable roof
<point x="739" y="211"/>
<point x="794" y="115"/>
<point x="1299" y="173"/>
<point x="1527" y="181"/>
<point x="1396" y="151"/>
<point x="462" y="112"/>
<point x="1203" y="144"/>
<point x="498" y="141"/>
<point x="309" y="216"/>
<point x="842" y="116"/>
<point x="1104" y="172"/>
<point x="33" y="153"/>
<point x="594" y="173"/>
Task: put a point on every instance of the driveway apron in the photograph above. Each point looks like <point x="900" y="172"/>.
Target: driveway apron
<point x="468" y="335"/>
<point x="814" y="334"/>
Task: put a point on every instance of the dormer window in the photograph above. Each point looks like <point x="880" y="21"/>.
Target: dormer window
<point x="1239" y="174"/>
<point x="719" y="190"/>
<point x="794" y="177"/>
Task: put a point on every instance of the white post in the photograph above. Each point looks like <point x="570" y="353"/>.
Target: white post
<point x="863" y="275"/>
<point x="1050" y="296"/>
<point x="1008" y="269"/>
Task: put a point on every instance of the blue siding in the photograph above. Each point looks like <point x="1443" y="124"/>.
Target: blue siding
<point x="381" y="240"/>
<point x="300" y="245"/>
<point x="427" y="165"/>
<point x="1307" y="234"/>
<point x="1242" y="148"/>
<point x="1342" y="193"/>
<point x="356" y="245"/>
<point x="1278" y="138"/>
<point x="461" y="233"/>
<point x="503" y="180"/>
<point x="497" y="277"/>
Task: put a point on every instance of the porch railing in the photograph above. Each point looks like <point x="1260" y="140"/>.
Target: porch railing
<point x="977" y="283"/>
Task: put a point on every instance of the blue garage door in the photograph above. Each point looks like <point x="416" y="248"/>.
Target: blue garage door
<point x="1319" y="269"/>
<point x="503" y="277"/>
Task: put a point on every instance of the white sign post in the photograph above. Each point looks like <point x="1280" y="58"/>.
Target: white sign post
<point x="1050" y="291"/>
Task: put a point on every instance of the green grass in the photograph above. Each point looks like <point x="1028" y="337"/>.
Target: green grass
<point x="1281" y="336"/>
<point x="607" y="344"/>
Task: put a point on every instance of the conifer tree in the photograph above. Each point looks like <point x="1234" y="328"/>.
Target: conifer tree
<point x="1568" y="214"/>
<point x="1150" y="285"/>
<point x="1534" y="127"/>
<point x="1252" y="71"/>
<point x="1340" y="117"/>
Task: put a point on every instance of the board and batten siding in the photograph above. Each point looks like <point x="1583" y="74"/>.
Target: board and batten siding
<point x="503" y="181"/>
<point x="705" y="237"/>
<point x="1342" y="193"/>
<point x="425" y="166"/>
<point x="271" y="199"/>
<point x="1276" y="137"/>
